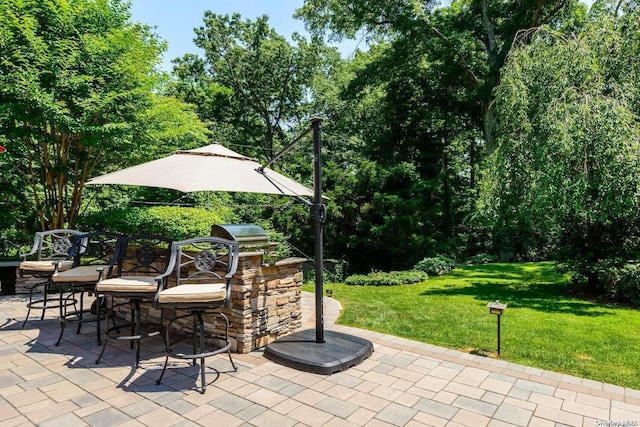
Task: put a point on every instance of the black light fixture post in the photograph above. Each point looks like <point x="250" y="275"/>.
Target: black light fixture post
<point x="497" y="308"/>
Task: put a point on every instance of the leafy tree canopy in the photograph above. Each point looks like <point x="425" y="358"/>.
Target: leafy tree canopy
<point x="76" y="87"/>
<point x="253" y="85"/>
<point x="470" y="38"/>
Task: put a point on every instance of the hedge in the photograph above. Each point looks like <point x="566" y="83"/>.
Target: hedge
<point x="394" y="278"/>
<point x="174" y="222"/>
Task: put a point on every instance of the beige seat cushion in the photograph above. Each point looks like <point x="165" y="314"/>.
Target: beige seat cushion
<point x="128" y="284"/>
<point x="45" y="265"/>
<point x="80" y="274"/>
<point x="209" y="292"/>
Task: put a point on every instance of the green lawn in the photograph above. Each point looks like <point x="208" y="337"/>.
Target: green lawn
<point x="542" y="326"/>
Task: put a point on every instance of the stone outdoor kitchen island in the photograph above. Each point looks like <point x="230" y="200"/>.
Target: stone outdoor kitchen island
<point x="265" y="302"/>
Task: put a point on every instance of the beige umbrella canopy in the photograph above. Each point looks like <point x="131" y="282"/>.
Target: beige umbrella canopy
<point x="209" y="168"/>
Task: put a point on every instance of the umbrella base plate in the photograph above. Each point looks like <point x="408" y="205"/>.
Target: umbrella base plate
<point x="337" y="353"/>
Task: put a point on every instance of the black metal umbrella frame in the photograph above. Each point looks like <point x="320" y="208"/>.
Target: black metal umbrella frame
<point x="334" y="351"/>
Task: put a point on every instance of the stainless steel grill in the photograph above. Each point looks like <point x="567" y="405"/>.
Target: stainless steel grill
<point x="247" y="235"/>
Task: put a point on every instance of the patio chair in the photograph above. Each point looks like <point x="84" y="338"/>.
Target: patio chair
<point x="91" y="253"/>
<point x="132" y="276"/>
<point x="50" y="253"/>
<point x="202" y="268"/>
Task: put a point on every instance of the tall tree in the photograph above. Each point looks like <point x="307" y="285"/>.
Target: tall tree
<point x="472" y="36"/>
<point x="76" y="79"/>
<point x="267" y="79"/>
<point x="435" y="71"/>
<point x="568" y="156"/>
<point x="387" y="154"/>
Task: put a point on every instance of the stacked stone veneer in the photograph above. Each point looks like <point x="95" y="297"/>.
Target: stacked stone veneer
<point x="26" y="282"/>
<point x="23" y="284"/>
<point x="265" y="301"/>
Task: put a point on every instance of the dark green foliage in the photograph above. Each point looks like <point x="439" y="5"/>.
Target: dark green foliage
<point x="252" y="84"/>
<point x="628" y="287"/>
<point x="394" y="278"/>
<point x="335" y="271"/>
<point x="176" y="223"/>
<point x="13" y="242"/>
<point x="407" y="120"/>
<point x="79" y="95"/>
<point x="436" y="266"/>
<point x="482" y="258"/>
<point x="386" y="221"/>
<point x="338" y="269"/>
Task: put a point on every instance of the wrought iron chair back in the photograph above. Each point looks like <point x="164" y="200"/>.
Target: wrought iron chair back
<point x="52" y="244"/>
<point x="133" y="276"/>
<point x="50" y="253"/>
<point x="91" y="253"/>
<point x="140" y="255"/>
<point x="95" y="248"/>
<point x="204" y="260"/>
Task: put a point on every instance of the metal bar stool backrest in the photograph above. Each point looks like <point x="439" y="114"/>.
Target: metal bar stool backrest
<point x="134" y="277"/>
<point x="141" y="255"/>
<point x="95" y="248"/>
<point x="91" y="253"/>
<point x="202" y="268"/>
<point x="203" y="260"/>
<point x="50" y="253"/>
<point x="52" y="244"/>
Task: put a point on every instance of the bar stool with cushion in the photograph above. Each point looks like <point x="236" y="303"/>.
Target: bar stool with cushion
<point x="91" y="253"/>
<point x="133" y="277"/>
<point x="50" y="251"/>
<point x="202" y="268"/>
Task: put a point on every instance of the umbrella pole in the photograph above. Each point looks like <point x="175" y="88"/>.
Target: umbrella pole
<point x="336" y="351"/>
<point x="318" y="216"/>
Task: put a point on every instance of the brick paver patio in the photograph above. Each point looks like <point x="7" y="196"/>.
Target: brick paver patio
<point x="404" y="383"/>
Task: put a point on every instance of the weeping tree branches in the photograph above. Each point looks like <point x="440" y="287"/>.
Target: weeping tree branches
<point x="568" y="156"/>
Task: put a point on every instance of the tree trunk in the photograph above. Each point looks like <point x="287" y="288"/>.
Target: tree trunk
<point x="489" y="122"/>
<point x="592" y="255"/>
<point x="488" y="114"/>
<point x="447" y="208"/>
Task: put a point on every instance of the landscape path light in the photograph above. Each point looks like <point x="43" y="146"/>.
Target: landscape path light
<point x="497" y="308"/>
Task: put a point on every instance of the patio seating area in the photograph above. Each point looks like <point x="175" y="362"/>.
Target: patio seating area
<point x="403" y="383"/>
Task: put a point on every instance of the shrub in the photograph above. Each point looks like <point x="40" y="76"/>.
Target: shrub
<point x="394" y="278"/>
<point x="436" y="266"/>
<point x="629" y="284"/>
<point x="13" y="242"/>
<point x="174" y="222"/>
<point x="334" y="271"/>
<point x="482" y="258"/>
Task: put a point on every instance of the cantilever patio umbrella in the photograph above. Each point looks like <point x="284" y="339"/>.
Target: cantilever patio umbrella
<point x="216" y="168"/>
<point x="209" y="168"/>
